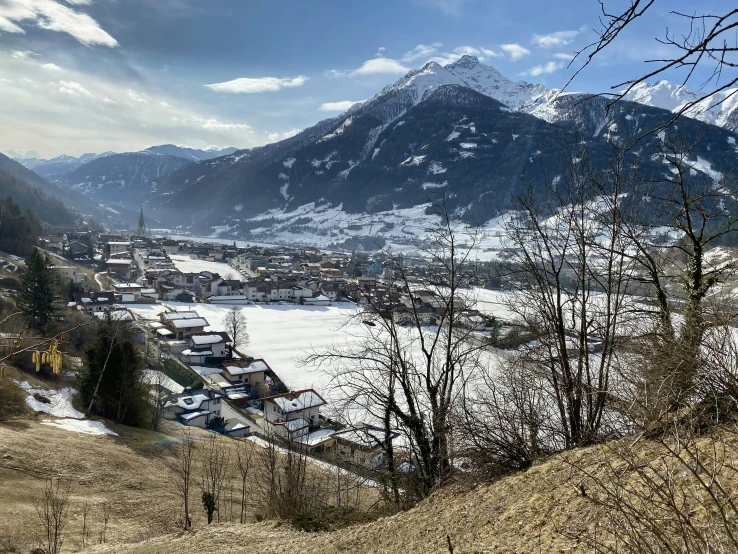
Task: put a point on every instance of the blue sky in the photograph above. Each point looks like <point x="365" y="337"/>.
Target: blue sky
<point x="95" y="75"/>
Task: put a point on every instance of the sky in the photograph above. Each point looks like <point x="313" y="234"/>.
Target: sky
<point x="81" y="76"/>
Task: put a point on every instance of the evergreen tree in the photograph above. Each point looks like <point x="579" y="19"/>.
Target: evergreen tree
<point x="37" y="298"/>
<point x="112" y="382"/>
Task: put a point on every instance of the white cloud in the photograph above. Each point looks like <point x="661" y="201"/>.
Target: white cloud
<point x="51" y="67"/>
<point x="53" y="16"/>
<point x="483" y="54"/>
<point x="557" y="39"/>
<point x="338" y="106"/>
<point x="421" y="51"/>
<point x="562" y="56"/>
<point x="248" y="85"/>
<point x="546" y="68"/>
<point x="22" y="54"/>
<point x="515" y="51"/>
<point x="275" y="137"/>
<point x="133" y="95"/>
<point x="73" y="88"/>
<point x="213" y="124"/>
<point x="375" y="66"/>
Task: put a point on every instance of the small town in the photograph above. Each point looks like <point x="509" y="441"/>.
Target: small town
<point x="401" y="276"/>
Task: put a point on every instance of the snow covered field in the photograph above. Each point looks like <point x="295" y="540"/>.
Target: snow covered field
<point x="283" y="334"/>
<point x="190" y="265"/>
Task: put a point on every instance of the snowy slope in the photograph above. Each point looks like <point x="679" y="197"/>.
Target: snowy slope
<point x="719" y="109"/>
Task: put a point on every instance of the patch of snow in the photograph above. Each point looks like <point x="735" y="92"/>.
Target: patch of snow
<point x="427" y="186"/>
<point x="288" y="163"/>
<point x="84" y="426"/>
<point x="413" y="160"/>
<point x="60" y="401"/>
<point x="339" y="131"/>
<point x="453" y="135"/>
<point x="436" y="168"/>
<point x="468" y="145"/>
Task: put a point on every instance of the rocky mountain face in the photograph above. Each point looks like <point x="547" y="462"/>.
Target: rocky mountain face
<point x="122" y="179"/>
<point x="192" y="154"/>
<point x="462" y="130"/>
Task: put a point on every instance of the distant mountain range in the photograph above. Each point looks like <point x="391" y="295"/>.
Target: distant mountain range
<point x="462" y="129"/>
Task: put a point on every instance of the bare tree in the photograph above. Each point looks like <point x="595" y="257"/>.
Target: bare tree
<point x="85" y="532"/>
<point x="215" y="464"/>
<point x="412" y="351"/>
<point x="704" y="41"/>
<point x="53" y="512"/>
<point x="235" y="325"/>
<point x="181" y="466"/>
<point x="244" y="463"/>
<point x="570" y="292"/>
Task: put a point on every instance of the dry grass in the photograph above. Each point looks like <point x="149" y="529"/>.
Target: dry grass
<point x="127" y="475"/>
<point x="542" y="510"/>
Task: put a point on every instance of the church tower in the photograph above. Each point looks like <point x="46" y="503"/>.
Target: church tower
<point x="141" y="231"/>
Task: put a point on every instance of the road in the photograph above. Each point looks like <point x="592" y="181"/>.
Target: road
<point x="98" y="280"/>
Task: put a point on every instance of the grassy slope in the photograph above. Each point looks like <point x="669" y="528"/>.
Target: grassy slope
<point x="540" y="510"/>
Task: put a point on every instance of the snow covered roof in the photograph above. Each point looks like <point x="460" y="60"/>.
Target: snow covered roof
<point x="191" y="401"/>
<point x="119" y="261"/>
<point x="243" y="368"/>
<point x="171" y="316"/>
<point x="297" y="401"/>
<point x="227" y="298"/>
<point x="192" y="415"/>
<point x="194" y="352"/>
<point x="317" y="437"/>
<point x="201" y="339"/>
<point x="189" y="323"/>
<point x="164" y="332"/>
<point x="296" y="424"/>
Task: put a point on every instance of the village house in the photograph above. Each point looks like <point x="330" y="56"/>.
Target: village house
<point x="115" y="247"/>
<point x="68" y="273"/>
<point x="94" y="302"/>
<point x="211" y="284"/>
<point x="204" y="347"/>
<point x="128" y="292"/>
<point x="293" y="414"/>
<point x="120" y="267"/>
<point x="194" y="408"/>
<point x="362" y="445"/>
<point x="183" y="324"/>
<point x="251" y="373"/>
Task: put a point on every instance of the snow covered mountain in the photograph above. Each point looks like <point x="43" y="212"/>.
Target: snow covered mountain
<point x="720" y="109"/>
<point x="192" y="154"/>
<point x="121" y="179"/>
<point x="54" y="168"/>
<point x="463" y="129"/>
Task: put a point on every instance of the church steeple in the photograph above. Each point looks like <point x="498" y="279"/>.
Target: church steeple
<point x="141" y="231"/>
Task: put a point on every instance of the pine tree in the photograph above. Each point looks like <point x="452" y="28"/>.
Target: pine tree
<point x="37" y="298"/>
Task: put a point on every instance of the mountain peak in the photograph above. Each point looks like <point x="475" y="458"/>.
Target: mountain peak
<point x="464" y="62"/>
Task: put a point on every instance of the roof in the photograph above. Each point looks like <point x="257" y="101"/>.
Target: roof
<point x="367" y="437"/>
<point x="245" y="368"/>
<point x="200" y="339"/>
<point x="297" y="401"/>
<point x="171" y="316"/>
<point x="119" y="261"/>
<point x="164" y="332"/>
<point x="192" y="400"/>
<point x="295" y="424"/>
<point x="193" y="415"/>
<point x="196" y="352"/>
<point x="189" y="323"/>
